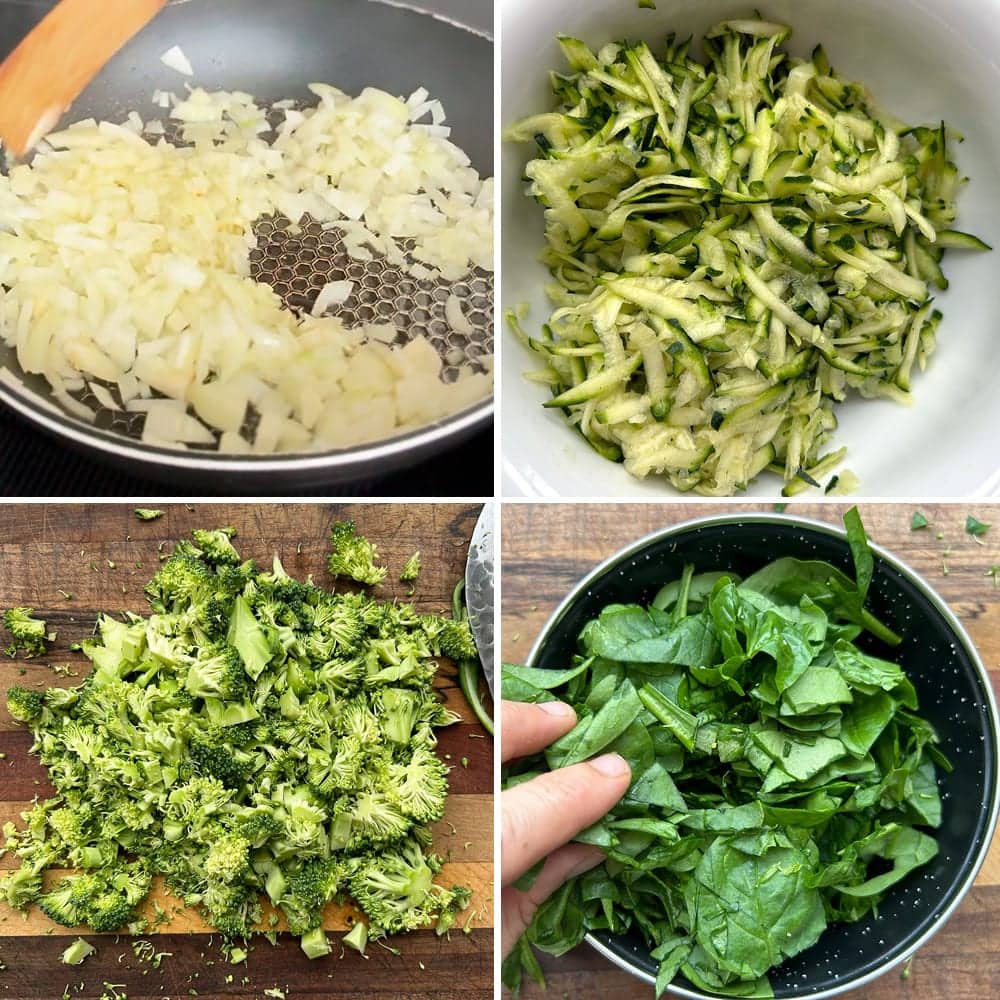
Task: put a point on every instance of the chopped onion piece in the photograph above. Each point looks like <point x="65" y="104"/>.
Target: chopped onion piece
<point x="175" y="59"/>
<point x="335" y="293"/>
<point x="456" y="318"/>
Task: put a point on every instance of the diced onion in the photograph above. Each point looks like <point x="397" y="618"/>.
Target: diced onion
<point x="174" y="58"/>
<point x="127" y="265"/>
<point x="456" y="318"/>
<point x="335" y="293"/>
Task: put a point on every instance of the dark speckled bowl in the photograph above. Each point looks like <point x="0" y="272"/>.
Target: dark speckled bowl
<point x="955" y="696"/>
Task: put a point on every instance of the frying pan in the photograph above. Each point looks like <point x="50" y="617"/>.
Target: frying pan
<point x="273" y="50"/>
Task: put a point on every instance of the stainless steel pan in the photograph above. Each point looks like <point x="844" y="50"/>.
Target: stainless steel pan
<point x="274" y="50"/>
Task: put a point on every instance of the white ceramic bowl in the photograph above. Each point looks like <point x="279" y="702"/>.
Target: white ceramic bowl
<point x="922" y="59"/>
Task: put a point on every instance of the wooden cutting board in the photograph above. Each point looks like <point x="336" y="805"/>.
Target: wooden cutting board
<point x="547" y="548"/>
<point x="102" y="556"/>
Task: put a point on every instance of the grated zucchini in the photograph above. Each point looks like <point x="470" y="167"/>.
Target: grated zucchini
<point x="736" y="245"/>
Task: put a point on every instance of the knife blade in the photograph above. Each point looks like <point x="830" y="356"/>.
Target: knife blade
<point x="479" y="589"/>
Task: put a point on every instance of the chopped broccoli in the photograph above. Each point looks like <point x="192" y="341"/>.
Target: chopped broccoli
<point x="396" y="889"/>
<point x="412" y="569"/>
<point x="458" y="899"/>
<point x="356" y="937"/>
<point x="77" y="952"/>
<point x="456" y="642"/>
<point x="254" y="736"/>
<point x="216" y="546"/>
<point x="30" y="634"/>
<point x="353" y="555"/>
<point x="148" y="513"/>
<point x="315" y="943"/>
<point x="25" y="705"/>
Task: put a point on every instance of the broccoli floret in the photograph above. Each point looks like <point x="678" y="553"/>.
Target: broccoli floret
<point x="216" y="547"/>
<point x="336" y="626"/>
<point x="259" y="828"/>
<point x="307" y="891"/>
<point x="411" y="570"/>
<point x="396" y="889"/>
<point x="183" y="580"/>
<point x="21" y="888"/>
<point x="452" y="903"/>
<point x="211" y="757"/>
<point x="30" y="634"/>
<point x="456" y="641"/>
<point x="228" y="858"/>
<point x="220" y="674"/>
<point x="376" y="819"/>
<point x="148" y="514"/>
<point x="104" y="900"/>
<point x="353" y="555"/>
<point x="65" y="903"/>
<point x="232" y="909"/>
<point x="419" y="786"/>
<point x="24" y="705"/>
<point x="110" y="912"/>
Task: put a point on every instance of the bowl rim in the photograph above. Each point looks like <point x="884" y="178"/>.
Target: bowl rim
<point x="961" y="635"/>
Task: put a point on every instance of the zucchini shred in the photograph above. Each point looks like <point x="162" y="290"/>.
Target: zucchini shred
<point x="735" y="247"/>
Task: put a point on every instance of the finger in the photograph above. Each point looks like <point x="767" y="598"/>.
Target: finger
<point x="548" y="811"/>
<point x="529" y="728"/>
<point x="518" y="907"/>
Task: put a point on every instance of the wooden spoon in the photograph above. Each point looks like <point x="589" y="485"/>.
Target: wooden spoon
<point x="42" y="77"/>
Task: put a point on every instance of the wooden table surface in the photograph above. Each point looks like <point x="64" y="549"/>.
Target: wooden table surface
<point x="47" y="548"/>
<point x="547" y="548"/>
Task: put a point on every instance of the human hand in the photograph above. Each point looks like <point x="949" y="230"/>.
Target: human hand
<point x="540" y="816"/>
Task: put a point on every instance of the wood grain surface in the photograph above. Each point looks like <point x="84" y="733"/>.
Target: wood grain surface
<point x="101" y="556"/>
<point x="547" y="548"/>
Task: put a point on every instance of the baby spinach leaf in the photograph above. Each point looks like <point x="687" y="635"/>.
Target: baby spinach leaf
<point x="593" y="733"/>
<point x="750" y="912"/>
<point x="630" y="634"/>
<point x="906" y="849"/>
<point x="537" y="678"/>
<point x="817" y="688"/>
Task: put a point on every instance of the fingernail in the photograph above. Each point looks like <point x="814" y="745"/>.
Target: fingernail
<point x="557" y="708"/>
<point x="611" y="765"/>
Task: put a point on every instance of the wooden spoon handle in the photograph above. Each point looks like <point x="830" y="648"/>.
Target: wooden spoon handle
<point x="42" y="77"/>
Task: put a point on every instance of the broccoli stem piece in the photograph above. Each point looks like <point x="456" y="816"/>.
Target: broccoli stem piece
<point x="356" y="937"/>
<point x="148" y="513"/>
<point x="77" y="952"/>
<point x="315" y="943"/>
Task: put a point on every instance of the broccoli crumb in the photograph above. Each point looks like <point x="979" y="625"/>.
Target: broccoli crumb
<point x="353" y="555"/>
<point x="30" y="634"/>
<point x="147" y="514"/>
<point x="412" y="569"/>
